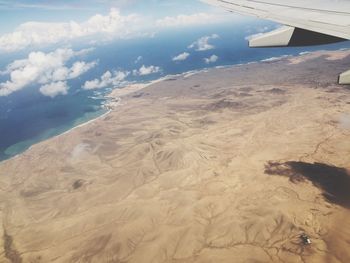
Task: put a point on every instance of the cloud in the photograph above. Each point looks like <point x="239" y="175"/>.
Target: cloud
<point x="211" y="59"/>
<point x="187" y="20"/>
<point x="43" y="68"/>
<point x="138" y="59"/>
<point x="106" y="80"/>
<point x="181" y="57"/>
<point x="42" y="33"/>
<point x="97" y="28"/>
<point x="202" y="44"/>
<point x="79" y="68"/>
<point x="54" y="89"/>
<point x="143" y="71"/>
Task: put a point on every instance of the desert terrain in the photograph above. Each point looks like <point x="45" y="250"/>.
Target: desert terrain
<point x="227" y="165"/>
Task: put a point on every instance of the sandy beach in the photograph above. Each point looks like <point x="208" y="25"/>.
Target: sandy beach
<point x="226" y="165"/>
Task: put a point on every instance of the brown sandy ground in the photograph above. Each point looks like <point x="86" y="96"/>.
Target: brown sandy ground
<point x="231" y="165"/>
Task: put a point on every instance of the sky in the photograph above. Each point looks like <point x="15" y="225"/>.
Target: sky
<point x="15" y="12"/>
<point x="40" y="23"/>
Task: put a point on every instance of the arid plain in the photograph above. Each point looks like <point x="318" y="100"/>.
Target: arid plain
<point x="228" y="165"/>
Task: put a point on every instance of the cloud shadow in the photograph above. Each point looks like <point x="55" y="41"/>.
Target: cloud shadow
<point x="333" y="181"/>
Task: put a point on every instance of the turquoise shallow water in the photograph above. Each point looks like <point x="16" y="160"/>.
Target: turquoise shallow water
<point x="27" y="117"/>
<point x="21" y="146"/>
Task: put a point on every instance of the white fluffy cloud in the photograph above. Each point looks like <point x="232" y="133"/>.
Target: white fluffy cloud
<point x="143" y="71"/>
<point x="41" y="33"/>
<point x="181" y="57"/>
<point x="107" y="79"/>
<point x="97" y="28"/>
<point x="54" y="89"/>
<point x="186" y="20"/>
<point x="79" y="68"/>
<point x="202" y="44"/>
<point x="43" y="68"/>
<point x="211" y="59"/>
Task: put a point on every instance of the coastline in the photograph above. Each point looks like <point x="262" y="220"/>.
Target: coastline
<point x="116" y="95"/>
<point x="73" y="127"/>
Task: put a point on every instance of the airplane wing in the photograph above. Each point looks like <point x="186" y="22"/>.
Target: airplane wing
<point x="307" y="22"/>
<point x="331" y="17"/>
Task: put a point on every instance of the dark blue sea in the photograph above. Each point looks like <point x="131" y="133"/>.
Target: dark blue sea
<point x="27" y="117"/>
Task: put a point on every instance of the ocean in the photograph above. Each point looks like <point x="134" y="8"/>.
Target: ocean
<point x="27" y="117"/>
